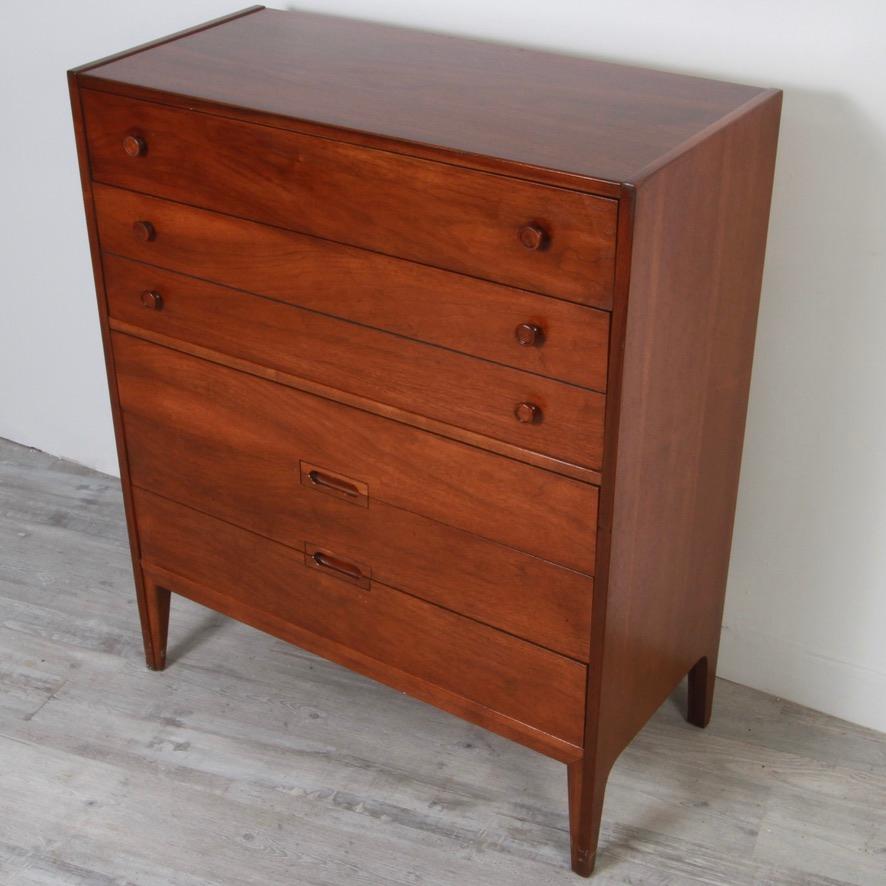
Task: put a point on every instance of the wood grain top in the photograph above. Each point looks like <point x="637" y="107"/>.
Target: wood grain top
<point x="572" y="115"/>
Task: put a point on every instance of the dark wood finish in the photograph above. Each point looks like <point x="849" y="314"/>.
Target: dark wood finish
<point x="151" y="299"/>
<point x="257" y="488"/>
<point x="528" y="413"/>
<point x="135" y="146"/>
<point x="550" y="516"/>
<point x="701" y="692"/>
<point x="80" y="70"/>
<point x="534" y="237"/>
<point x="529" y="335"/>
<point x="521" y="682"/>
<point x="144" y="231"/>
<point x="471" y="316"/>
<point x="691" y="315"/>
<point x="366" y="405"/>
<point x="465" y="99"/>
<point x="576" y="472"/>
<point x="150" y="640"/>
<point x="444" y="385"/>
<point x="157" y="600"/>
<point x="443" y="216"/>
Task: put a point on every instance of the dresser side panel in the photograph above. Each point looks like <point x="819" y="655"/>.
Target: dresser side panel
<point x="697" y="261"/>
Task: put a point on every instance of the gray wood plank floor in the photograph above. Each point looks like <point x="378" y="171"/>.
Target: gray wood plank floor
<point x="251" y="762"/>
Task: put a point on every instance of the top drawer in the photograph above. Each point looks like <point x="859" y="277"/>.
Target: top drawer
<point x="542" y="238"/>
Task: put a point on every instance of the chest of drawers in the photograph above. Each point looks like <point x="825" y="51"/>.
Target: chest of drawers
<point x="432" y="357"/>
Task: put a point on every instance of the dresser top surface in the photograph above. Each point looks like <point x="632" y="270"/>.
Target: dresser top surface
<point x="541" y="109"/>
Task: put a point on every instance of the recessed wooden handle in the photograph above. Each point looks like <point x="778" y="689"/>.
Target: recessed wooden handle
<point x="534" y="236"/>
<point x="527" y="413"/>
<point x="152" y="300"/>
<point x="144" y="230"/>
<point x="337" y="567"/>
<point x="318" y="478"/>
<point x="329" y="482"/>
<point x="135" y="146"/>
<point x="529" y="335"/>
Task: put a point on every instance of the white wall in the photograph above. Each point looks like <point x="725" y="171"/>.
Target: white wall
<point x="806" y="609"/>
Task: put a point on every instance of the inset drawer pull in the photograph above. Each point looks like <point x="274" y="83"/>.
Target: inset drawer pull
<point x="135" y="146"/>
<point x="534" y="236"/>
<point x="335" y="566"/>
<point x="318" y="478"/>
<point x="144" y="230"/>
<point x="527" y="413"/>
<point x="332" y="483"/>
<point x="529" y="335"/>
<point x="152" y="300"/>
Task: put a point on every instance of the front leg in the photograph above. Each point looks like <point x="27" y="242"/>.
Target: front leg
<point x="154" y="614"/>
<point x="586" y="790"/>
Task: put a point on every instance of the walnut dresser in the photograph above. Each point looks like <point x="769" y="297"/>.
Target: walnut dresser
<point x="432" y="356"/>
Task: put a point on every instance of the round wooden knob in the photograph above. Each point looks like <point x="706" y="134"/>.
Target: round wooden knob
<point x="533" y="237"/>
<point x="527" y="413"/>
<point x="152" y="300"/>
<point x="144" y="230"/>
<point x="135" y="146"/>
<point x="529" y="335"/>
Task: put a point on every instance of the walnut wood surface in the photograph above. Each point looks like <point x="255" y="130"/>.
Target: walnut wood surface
<point x="464" y="314"/>
<point x="439" y="215"/>
<point x="258" y="489"/>
<point x="453" y="388"/>
<point x="146" y="602"/>
<point x="508" y="450"/>
<point x="500" y="499"/>
<point x="514" y="678"/>
<point x="672" y="482"/>
<point x="537" y="109"/>
<point x="310" y="207"/>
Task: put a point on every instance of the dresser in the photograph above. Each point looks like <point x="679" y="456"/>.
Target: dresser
<point x="431" y="356"/>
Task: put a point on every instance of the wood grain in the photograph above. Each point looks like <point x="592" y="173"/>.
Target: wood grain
<point x="413" y="419"/>
<point x="464" y="314"/>
<point x="465" y="99"/>
<point x="254" y="759"/>
<point x="503" y="500"/>
<point x="257" y="489"/>
<point x="673" y="473"/>
<point x="253" y="578"/>
<point x="401" y="291"/>
<point x="150" y="642"/>
<point x="433" y="213"/>
<point x="414" y="377"/>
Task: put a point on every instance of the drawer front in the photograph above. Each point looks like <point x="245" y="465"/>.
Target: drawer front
<point x="546" y="514"/>
<point x="454" y="388"/>
<point x="258" y="490"/>
<point x="457" y="312"/>
<point x="533" y="236"/>
<point x="508" y="675"/>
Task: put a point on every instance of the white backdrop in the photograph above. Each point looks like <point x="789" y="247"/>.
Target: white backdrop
<point x="806" y="607"/>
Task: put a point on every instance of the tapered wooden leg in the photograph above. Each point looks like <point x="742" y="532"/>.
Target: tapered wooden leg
<point x="585" y="812"/>
<point x="701" y="691"/>
<point x="154" y="613"/>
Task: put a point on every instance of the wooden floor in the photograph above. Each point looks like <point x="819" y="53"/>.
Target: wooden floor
<point x="248" y="761"/>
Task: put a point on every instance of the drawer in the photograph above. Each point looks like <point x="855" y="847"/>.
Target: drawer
<point x="533" y="510"/>
<point x="258" y="490"/>
<point x="517" y="679"/>
<point x="534" y="236"/>
<point x="461" y="313"/>
<point x="432" y="381"/>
